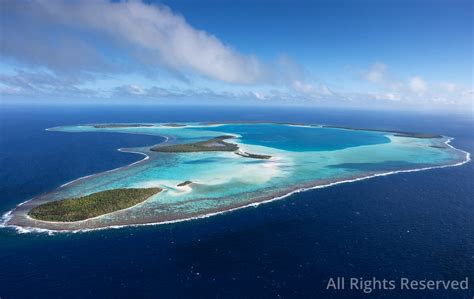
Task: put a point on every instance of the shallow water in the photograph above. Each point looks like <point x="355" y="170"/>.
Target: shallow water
<point x="301" y="157"/>
<point x="418" y="225"/>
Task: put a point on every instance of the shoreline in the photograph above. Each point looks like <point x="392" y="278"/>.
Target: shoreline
<point x="179" y="125"/>
<point x="394" y="132"/>
<point x="5" y="218"/>
<point x="122" y="150"/>
<point x="306" y="125"/>
<point x="95" y="217"/>
<point x="111" y="170"/>
<point x="24" y="229"/>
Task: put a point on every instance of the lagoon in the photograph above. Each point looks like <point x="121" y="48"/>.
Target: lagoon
<point x="301" y="157"/>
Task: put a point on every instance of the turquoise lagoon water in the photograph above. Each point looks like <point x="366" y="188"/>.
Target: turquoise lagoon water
<point x="302" y="157"/>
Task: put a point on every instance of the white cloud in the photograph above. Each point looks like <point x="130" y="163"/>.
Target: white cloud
<point x="303" y="87"/>
<point x="387" y="96"/>
<point x="394" y="89"/>
<point x="324" y="89"/>
<point x="448" y="87"/>
<point x="134" y="89"/>
<point x="139" y="37"/>
<point x="418" y="85"/>
<point x="152" y="34"/>
<point x="259" y="95"/>
<point x="41" y="83"/>
<point x="311" y="90"/>
<point x="413" y="91"/>
<point x="377" y="74"/>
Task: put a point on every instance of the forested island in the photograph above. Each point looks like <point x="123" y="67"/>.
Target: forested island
<point x="199" y="164"/>
<point x="93" y="205"/>
<point x="173" y="125"/>
<point x="395" y="133"/>
<point x="116" y="126"/>
<point x="217" y="144"/>
<point x="252" y="156"/>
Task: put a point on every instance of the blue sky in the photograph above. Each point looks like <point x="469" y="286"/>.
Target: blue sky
<point x="393" y="54"/>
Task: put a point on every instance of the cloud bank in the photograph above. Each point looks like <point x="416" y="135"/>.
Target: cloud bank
<point x="415" y="90"/>
<point x="62" y="48"/>
<point x="151" y="35"/>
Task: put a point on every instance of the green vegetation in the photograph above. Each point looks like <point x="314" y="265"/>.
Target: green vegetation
<point x="184" y="183"/>
<point x="396" y="133"/>
<point x="253" y="156"/>
<point x="418" y="135"/>
<point x="105" y="126"/>
<point x="216" y="144"/>
<point x="173" y="125"/>
<point x="93" y="205"/>
<point x="253" y="122"/>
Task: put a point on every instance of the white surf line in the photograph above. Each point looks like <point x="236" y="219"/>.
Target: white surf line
<point x="7" y="216"/>
<point x="21" y="229"/>
<point x="111" y="170"/>
<point x="303" y="126"/>
<point x="127" y="151"/>
<point x="448" y="143"/>
<point x="96" y="217"/>
<point x="115" y="169"/>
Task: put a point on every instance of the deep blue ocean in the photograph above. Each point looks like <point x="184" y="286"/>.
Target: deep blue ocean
<point x="416" y="225"/>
